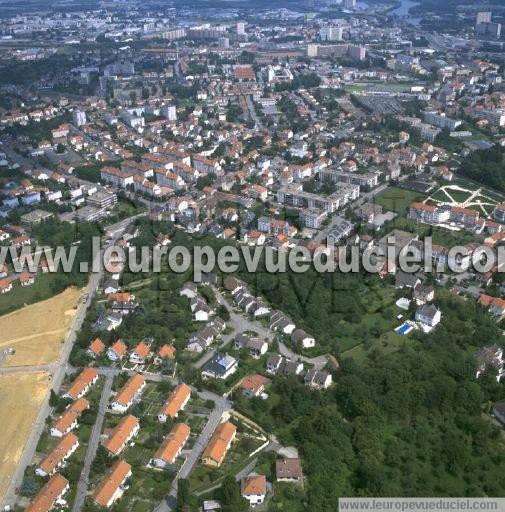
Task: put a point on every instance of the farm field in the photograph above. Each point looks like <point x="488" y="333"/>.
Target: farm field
<point x="37" y="331"/>
<point x="21" y="396"/>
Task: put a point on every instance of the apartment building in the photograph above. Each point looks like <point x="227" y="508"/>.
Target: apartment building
<point x="363" y="180"/>
<point x="68" y="420"/>
<point x="82" y="384"/>
<point x="293" y="195"/>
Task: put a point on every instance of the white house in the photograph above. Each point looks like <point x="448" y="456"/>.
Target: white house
<point x="130" y="392"/>
<point x="428" y="315"/>
<point x="58" y="455"/>
<point x="189" y="290"/>
<point x="318" y="379"/>
<point x="254" y="489"/>
<point x="112" y="486"/>
<point x="300" y="337"/>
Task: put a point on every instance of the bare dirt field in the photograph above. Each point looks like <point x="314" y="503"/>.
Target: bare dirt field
<point x="37" y="331"/>
<point x="20" y="398"/>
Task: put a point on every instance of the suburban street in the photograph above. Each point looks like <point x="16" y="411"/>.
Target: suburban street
<point x="252" y="112"/>
<point x="242" y="324"/>
<point x="82" y="486"/>
<point x="222" y="406"/>
<point x="239" y="323"/>
<point x="57" y="371"/>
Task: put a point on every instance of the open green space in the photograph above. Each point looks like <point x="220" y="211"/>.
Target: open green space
<point x="397" y="199"/>
<point x="45" y="286"/>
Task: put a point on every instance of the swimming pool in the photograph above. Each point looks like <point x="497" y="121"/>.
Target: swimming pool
<point x="405" y="328"/>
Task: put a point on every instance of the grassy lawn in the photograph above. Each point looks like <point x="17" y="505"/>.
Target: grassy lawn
<point x="390" y="342"/>
<point x="397" y="199"/>
<point x="458" y="195"/>
<point x="449" y="238"/>
<point x="147" y="486"/>
<point x="19" y="296"/>
<point x="236" y="458"/>
<point x="123" y="209"/>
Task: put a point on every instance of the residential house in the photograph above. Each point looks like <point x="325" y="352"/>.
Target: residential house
<point x="117" y="351"/>
<point x="112" y="486"/>
<point x="199" y="341"/>
<point x="208" y="278"/>
<point x="221" y="366"/>
<point x="26" y="278"/>
<point x="124" y="307"/>
<point x="219" y="444"/>
<point x="289" y="470"/>
<point x="255" y="345"/>
<point x="96" y="347"/>
<point x="274" y="363"/>
<point x="318" y="379"/>
<point x="175" y="403"/>
<point x="140" y="354"/>
<point x="278" y="364"/>
<point x="428" y="315"/>
<point x="290" y="367"/>
<point x="301" y="338"/>
<point x="111" y="286"/>
<point x="490" y="356"/>
<point x="200" y="309"/>
<point x="254" y="385"/>
<point x="130" y="392"/>
<point x="281" y="323"/>
<point x="165" y="352"/>
<point x="254" y="489"/>
<point x="423" y="294"/>
<point x="405" y="280"/>
<point x="81" y="385"/>
<point x="233" y="285"/>
<point x="5" y="285"/>
<point x="58" y="455"/>
<point x="127" y="428"/>
<point x="495" y="305"/>
<point x="189" y="290"/>
<point x="171" y="447"/>
<point x="107" y="321"/>
<point x="499" y="411"/>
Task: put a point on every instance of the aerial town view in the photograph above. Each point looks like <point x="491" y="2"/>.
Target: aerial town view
<point x="251" y="255"/>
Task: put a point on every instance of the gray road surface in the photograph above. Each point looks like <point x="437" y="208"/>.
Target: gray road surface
<point x="82" y="486"/>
